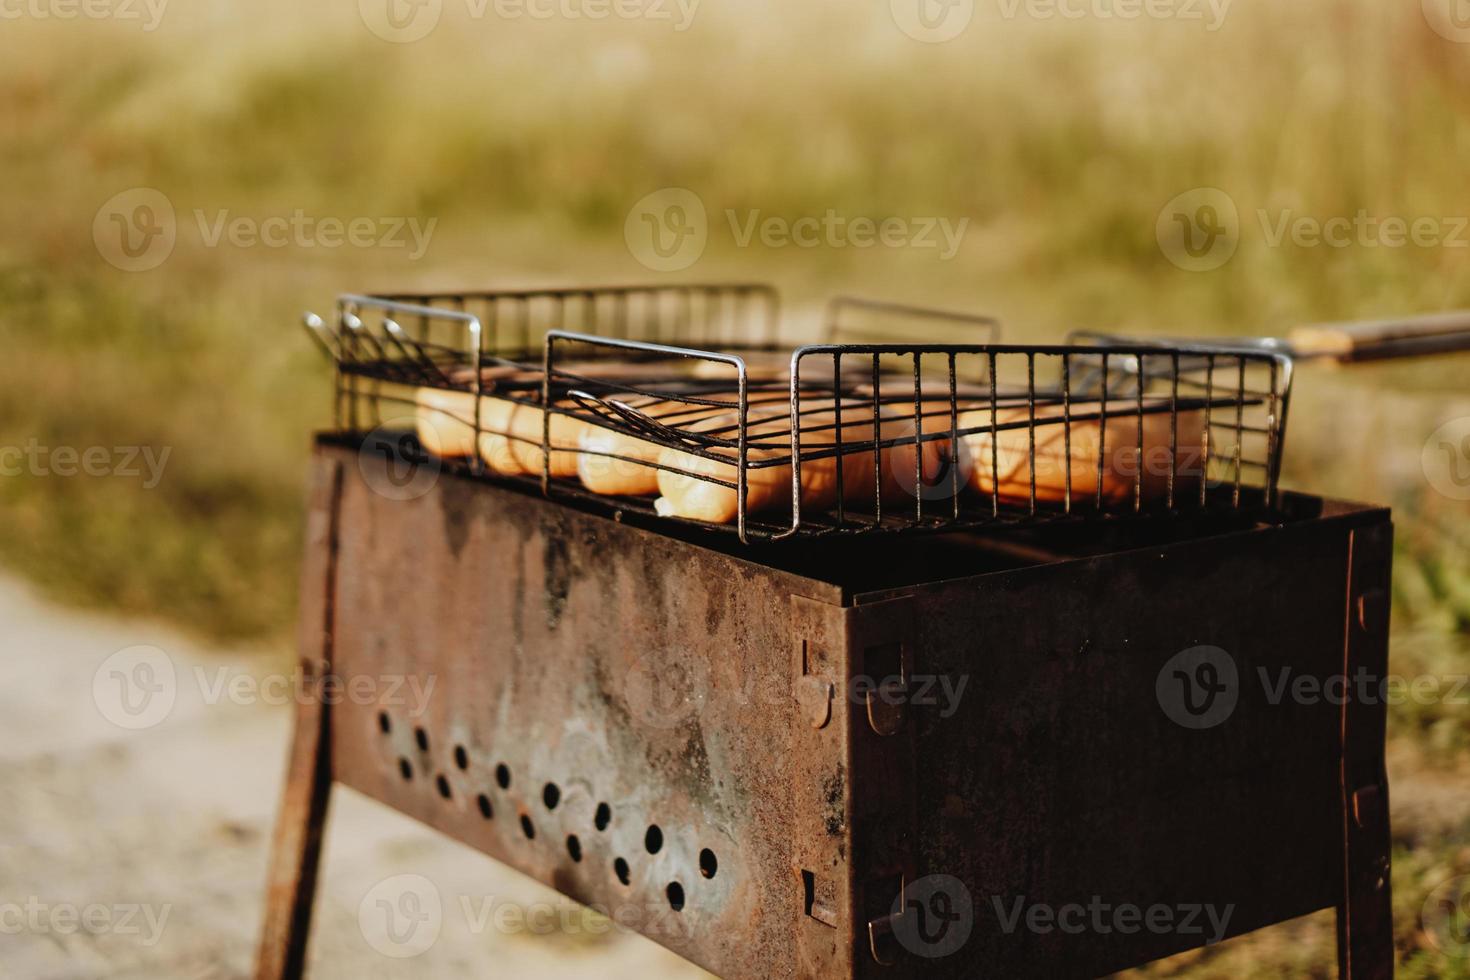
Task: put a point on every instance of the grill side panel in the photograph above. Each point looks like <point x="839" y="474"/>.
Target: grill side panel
<point x="596" y="680"/>
<point x="1059" y="779"/>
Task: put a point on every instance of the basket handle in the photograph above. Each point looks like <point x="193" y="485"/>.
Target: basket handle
<point x="1347" y="343"/>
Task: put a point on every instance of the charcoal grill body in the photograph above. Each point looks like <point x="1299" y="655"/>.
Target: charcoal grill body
<point x="781" y="716"/>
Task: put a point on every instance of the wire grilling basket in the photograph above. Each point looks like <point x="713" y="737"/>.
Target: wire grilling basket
<point x="680" y="403"/>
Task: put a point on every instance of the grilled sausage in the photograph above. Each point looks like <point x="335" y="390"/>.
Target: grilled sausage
<point x="687" y="490"/>
<point x="1007" y="471"/>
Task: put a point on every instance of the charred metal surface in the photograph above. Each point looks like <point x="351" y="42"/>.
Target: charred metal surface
<point x="833" y="756"/>
<point x="1060" y="778"/>
<point x="1365" y="915"/>
<point x="626" y="670"/>
<point x="821" y="781"/>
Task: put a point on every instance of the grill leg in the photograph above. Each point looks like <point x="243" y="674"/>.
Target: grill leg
<point x="297" y="845"/>
<point x="1365" y="948"/>
<point x="296" y="849"/>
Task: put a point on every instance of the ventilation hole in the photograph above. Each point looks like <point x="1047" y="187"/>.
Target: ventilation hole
<point x="486" y="810"/>
<point x="675" y="892"/>
<point x="422" y="737"/>
<point x="620" y="868"/>
<point x="405" y="768"/>
<point x="461" y="758"/>
<point x="603" y="817"/>
<point x="574" y="848"/>
<point x="654" y="839"/>
<point x="528" y="828"/>
<point x="443" y="783"/>
<point x="708" y="864"/>
<point x="551" y="796"/>
<point x="385" y="724"/>
<point x="502" y="776"/>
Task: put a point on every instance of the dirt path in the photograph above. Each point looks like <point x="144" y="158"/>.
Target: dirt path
<point x="138" y="850"/>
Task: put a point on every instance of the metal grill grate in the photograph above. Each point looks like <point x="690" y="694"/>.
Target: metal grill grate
<point x="645" y="399"/>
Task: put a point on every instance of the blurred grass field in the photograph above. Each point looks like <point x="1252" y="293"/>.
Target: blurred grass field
<point x="528" y="141"/>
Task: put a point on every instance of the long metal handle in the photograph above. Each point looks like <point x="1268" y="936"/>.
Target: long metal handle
<point x="1347" y="343"/>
